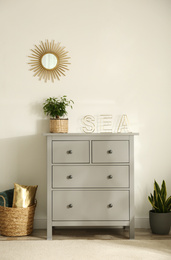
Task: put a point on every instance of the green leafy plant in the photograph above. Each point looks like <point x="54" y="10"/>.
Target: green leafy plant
<point x="159" y="200"/>
<point x="56" y="107"/>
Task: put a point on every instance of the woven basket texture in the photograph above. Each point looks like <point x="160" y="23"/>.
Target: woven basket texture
<point x="16" y="221"/>
<point x="59" y="125"/>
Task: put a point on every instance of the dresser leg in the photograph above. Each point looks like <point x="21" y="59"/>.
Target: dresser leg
<point x="131" y="231"/>
<point x="49" y="233"/>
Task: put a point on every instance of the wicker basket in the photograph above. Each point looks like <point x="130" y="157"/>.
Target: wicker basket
<point x="16" y="221"/>
<point x="59" y="125"/>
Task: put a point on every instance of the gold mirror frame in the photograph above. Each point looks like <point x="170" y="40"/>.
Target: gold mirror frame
<point x="48" y="48"/>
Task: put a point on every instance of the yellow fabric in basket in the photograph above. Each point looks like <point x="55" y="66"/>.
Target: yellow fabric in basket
<point x="24" y="196"/>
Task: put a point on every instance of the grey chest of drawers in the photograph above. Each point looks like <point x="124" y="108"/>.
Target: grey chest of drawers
<point x="90" y="181"/>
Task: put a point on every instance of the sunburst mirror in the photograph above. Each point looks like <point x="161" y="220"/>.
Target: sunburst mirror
<point x="49" y="61"/>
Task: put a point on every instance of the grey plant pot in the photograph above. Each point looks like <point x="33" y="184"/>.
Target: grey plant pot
<point x="160" y="222"/>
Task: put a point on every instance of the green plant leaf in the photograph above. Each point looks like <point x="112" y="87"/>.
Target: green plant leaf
<point x="168" y="204"/>
<point x="158" y="199"/>
<point x="163" y="191"/>
<point x="156" y="187"/>
<point x="160" y="204"/>
<point x="57" y="107"/>
<point x="155" y="197"/>
<point x="150" y="198"/>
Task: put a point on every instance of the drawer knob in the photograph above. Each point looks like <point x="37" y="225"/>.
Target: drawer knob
<point x="70" y="206"/>
<point x="110" y="151"/>
<point x="69" y="177"/>
<point x="110" y="205"/>
<point x="69" y="152"/>
<point x="110" y="176"/>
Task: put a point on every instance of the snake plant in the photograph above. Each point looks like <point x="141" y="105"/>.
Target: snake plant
<point x="159" y="200"/>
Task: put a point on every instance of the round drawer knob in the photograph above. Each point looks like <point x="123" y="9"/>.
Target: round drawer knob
<point x="69" y="152"/>
<point x="69" y="177"/>
<point x="110" y="205"/>
<point x="70" y="206"/>
<point x="110" y="151"/>
<point x="110" y="176"/>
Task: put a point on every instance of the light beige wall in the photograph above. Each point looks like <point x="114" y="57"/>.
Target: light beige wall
<point x="121" y="59"/>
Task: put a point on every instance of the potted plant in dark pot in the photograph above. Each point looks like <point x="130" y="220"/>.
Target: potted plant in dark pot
<point x="160" y="215"/>
<point x="56" y="108"/>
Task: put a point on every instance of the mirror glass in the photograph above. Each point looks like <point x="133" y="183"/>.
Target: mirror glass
<point x="49" y="61"/>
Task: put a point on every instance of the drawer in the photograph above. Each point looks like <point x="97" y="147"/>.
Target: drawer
<point x="90" y="205"/>
<point x="110" y="151"/>
<point x="70" y="152"/>
<point x="90" y="176"/>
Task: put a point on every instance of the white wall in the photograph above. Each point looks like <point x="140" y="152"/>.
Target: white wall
<point x="121" y="59"/>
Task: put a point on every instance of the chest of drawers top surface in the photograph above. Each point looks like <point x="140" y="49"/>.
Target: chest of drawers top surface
<point x="89" y="136"/>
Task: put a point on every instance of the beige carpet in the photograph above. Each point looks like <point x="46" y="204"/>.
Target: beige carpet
<point x="85" y="250"/>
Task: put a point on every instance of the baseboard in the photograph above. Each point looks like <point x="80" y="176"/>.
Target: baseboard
<point x="139" y="223"/>
<point x="142" y="223"/>
<point x="40" y="224"/>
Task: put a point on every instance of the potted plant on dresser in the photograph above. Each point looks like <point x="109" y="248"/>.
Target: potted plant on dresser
<point x="160" y="215"/>
<point x="56" y="109"/>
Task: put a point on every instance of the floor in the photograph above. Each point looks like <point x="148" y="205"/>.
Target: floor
<point x="90" y="234"/>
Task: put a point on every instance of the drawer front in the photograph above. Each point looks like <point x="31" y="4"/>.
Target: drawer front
<point x="110" y="151"/>
<point x="90" y="176"/>
<point x="90" y="205"/>
<point x="70" y="152"/>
